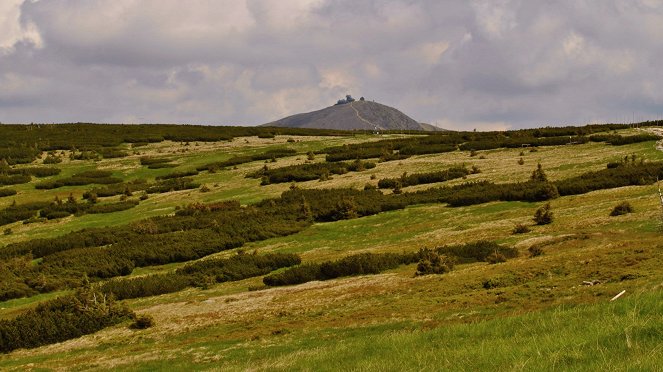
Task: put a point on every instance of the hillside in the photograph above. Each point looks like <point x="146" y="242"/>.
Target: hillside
<point x="303" y="249"/>
<point x="356" y="115"/>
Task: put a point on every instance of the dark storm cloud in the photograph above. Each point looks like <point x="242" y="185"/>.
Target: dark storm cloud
<point x="459" y="64"/>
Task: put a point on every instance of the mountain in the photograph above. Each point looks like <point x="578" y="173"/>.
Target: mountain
<point x="354" y="115"/>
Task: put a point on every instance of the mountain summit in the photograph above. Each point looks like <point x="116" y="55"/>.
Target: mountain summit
<point x="351" y="114"/>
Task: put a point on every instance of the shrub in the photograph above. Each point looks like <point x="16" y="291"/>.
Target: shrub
<point x="424" y="178"/>
<point x="478" y="251"/>
<point x="142" y="322"/>
<point x="538" y="174"/>
<point x="61" y="319"/>
<point x="622" y="208"/>
<point x="495" y="257"/>
<point x="521" y="229"/>
<point x="543" y="215"/>
<point x="535" y="251"/>
<point x="7" y="192"/>
<point x="50" y="159"/>
<point x="14" y="179"/>
<point x="358" y="264"/>
<point x="432" y="262"/>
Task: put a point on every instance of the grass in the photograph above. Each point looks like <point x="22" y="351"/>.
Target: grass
<point x="620" y="335"/>
<point x="525" y="314"/>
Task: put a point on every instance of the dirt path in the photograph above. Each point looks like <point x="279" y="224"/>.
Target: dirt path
<point x="364" y="120"/>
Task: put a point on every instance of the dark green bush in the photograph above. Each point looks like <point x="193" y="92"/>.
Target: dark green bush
<point x="622" y="208"/>
<point x="237" y="160"/>
<point x="82" y="178"/>
<point x="423" y="178"/>
<point x="359" y="264"/>
<point x="431" y="262"/>
<point x="142" y="322"/>
<point x="61" y="319"/>
<point x="35" y="171"/>
<point x="479" y="251"/>
<point x="308" y="172"/>
<point x="14" y="179"/>
<point x="535" y="251"/>
<point x="7" y="192"/>
<point x="521" y="229"/>
<point x="177" y="175"/>
<point x="543" y="215"/>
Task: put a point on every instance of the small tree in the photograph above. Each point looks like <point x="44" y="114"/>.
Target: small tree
<point x="538" y="174"/>
<point x="543" y="215"/>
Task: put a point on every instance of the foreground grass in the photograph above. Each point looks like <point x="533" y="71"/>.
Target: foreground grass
<point x="620" y="335"/>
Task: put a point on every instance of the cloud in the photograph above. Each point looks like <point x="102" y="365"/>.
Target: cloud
<point x="13" y="30"/>
<point x="476" y="64"/>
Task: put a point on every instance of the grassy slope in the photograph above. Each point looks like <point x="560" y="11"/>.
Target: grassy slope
<point x="528" y="320"/>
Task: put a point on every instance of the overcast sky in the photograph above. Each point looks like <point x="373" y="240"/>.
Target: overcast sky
<point x="457" y="64"/>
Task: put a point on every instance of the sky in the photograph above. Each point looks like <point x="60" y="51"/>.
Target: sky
<point x="485" y="65"/>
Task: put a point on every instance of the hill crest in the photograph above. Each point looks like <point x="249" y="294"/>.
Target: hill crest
<point x="353" y="115"/>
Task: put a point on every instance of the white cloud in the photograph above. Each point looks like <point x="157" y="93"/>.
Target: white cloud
<point x="432" y="52"/>
<point x="13" y="30"/>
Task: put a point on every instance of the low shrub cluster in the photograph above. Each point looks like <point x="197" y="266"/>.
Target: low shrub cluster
<point x="359" y="264"/>
<point x="79" y="179"/>
<point x="32" y="171"/>
<point x="178" y="175"/>
<point x="308" y="172"/>
<point x="111" y="152"/>
<point x="20" y="212"/>
<point x="7" y="192"/>
<point x="111" y="252"/>
<point x="515" y="142"/>
<point x="237" y="160"/>
<point x="200" y="274"/>
<point x="15" y="179"/>
<point x="59" y="209"/>
<point x="13" y="152"/>
<point x="479" y="251"/>
<point x="622" y="174"/>
<point x="61" y="319"/>
<point x="326" y="205"/>
<point x="617" y="140"/>
<point x="483" y="192"/>
<point x="423" y="178"/>
<point x="429" y="261"/>
<point x="172" y="184"/>
<point x="117" y="189"/>
<point x="395" y="149"/>
<point x="157" y="163"/>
